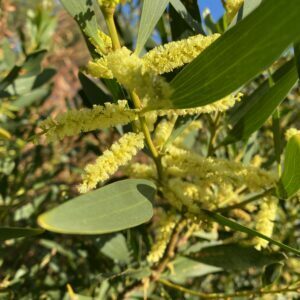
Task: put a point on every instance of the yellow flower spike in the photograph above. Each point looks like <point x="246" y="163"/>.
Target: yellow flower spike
<point x="120" y="153"/>
<point x="127" y="68"/>
<point x="108" y="3"/>
<point x="99" y="69"/>
<point x="218" y="106"/>
<point x="166" y="225"/>
<point x="170" y="56"/>
<point x="76" y="121"/>
<point x="265" y="221"/>
<point x="291" y="132"/>
<point x="232" y="7"/>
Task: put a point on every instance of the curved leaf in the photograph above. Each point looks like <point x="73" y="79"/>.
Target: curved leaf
<point x="117" y="206"/>
<point x="238" y="55"/>
<point x="7" y="233"/>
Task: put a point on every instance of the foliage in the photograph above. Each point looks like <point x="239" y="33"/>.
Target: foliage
<point x="184" y="132"/>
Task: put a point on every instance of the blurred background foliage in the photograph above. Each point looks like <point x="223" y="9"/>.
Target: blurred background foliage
<point x="41" y="54"/>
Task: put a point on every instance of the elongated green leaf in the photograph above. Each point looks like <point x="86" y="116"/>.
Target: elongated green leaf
<point x="297" y="56"/>
<point x="117" y="206"/>
<point x="238" y="55"/>
<point x="84" y="14"/>
<point x="238" y="227"/>
<point x="236" y="257"/>
<point x="271" y="273"/>
<point x="9" y="78"/>
<point x="290" y="180"/>
<point x="7" y="233"/>
<point x="264" y="100"/>
<point x="151" y="13"/>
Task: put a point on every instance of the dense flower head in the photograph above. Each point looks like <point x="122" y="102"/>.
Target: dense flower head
<point x="166" y="58"/>
<point x="108" y="3"/>
<point x="265" y="220"/>
<point x="291" y="132"/>
<point x="232" y="7"/>
<point x="127" y="68"/>
<point x="76" y="121"/>
<point x="120" y="153"/>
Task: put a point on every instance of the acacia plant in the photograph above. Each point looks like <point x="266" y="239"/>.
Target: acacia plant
<point x="206" y="114"/>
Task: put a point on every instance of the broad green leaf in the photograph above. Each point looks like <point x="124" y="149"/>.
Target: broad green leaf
<point x="9" y="78"/>
<point x="264" y="100"/>
<point x="151" y="12"/>
<point x="44" y="77"/>
<point x="238" y="55"/>
<point x="7" y="233"/>
<point x="184" y="268"/>
<point x="289" y="183"/>
<point x="117" y="206"/>
<point x="116" y="249"/>
<point x="236" y="257"/>
<point x="35" y="96"/>
<point x="182" y="20"/>
<point x="238" y="227"/>
<point x="84" y="14"/>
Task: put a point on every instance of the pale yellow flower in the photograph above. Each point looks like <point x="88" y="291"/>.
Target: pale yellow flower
<point x="162" y="132"/>
<point x="291" y="132"/>
<point x="76" y="121"/>
<point x="99" y="69"/>
<point x="127" y="68"/>
<point x="166" y="225"/>
<point x="264" y="221"/>
<point x="108" y="3"/>
<point x="166" y="58"/>
<point x="232" y="7"/>
<point x="120" y="153"/>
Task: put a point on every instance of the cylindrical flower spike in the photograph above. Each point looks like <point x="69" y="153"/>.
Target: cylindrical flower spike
<point x="108" y="163"/>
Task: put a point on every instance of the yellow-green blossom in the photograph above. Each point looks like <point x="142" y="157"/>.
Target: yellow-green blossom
<point x="108" y="3"/>
<point x="166" y="225"/>
<point x="218" y="106"/>
<point x="232" y="7"/>
<point x="127" y="68"/>
<point x="98" y="68"/>
<point x="180" y="162"/>
<point x="108" y="163"/>
<point x="165" y="58"/>
<point x="138" y="170"/>
<point x="265" y="221"/>
<point x="162" y="132"/>
<point x="291" y="132"/>
<point x="75" y="121"/>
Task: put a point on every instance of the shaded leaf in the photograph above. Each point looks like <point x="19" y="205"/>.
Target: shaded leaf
<point x="238" y="55"/>
<point x="117" y="206"/>
<point x="272" y="273"/>
<point x="7" y="233"/>
<point x="297" y="56"/>
<point x="236" y="257"/>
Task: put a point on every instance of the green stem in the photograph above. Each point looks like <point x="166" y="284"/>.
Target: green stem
<point x="222" y="295"/>
<point x="108" y="15"/>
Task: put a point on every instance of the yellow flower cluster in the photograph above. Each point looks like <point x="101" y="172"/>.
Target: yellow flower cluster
<point x="127" y="68"/>
<point x="291" y="132"/>
<point x="162" y="132"/>
<point x="182" y="163"/>
<point x="232" y="7"/>
<point x="75" y="121"/>
<point x="108" y="3"/>
<point x="138" y="170"/>
<point x="166" y="58"/>
<point x="265" y="221"/>
<point x="218" y="106"/>
<point x="108" y="163"/>
<point x="98" y="68"/>
<point x="166" y="225"/>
